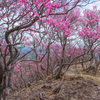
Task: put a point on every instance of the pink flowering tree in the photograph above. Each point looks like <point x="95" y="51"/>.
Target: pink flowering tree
<point x="18" y="18"/>
<point x="90" y="29"/>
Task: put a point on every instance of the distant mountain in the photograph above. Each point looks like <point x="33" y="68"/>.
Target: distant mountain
<point x="24" y="49"/>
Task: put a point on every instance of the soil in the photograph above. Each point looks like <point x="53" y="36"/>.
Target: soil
<point x="75" y="87"/>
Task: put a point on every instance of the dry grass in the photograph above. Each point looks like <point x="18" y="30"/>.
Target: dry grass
<point x="77" y="85"/>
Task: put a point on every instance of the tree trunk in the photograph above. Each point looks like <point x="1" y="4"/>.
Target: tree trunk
<point x="82" y="66"/>
<point x="62" y="60"/>
<point x="60" y="70"/>
<point x="0" y="96"/>
<point x="6" y="93"/>
<point x="1" y="79"/>
<point x="48" y="56"/>
<point x="2" y="87"/>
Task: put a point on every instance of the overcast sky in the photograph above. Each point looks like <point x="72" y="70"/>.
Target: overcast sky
<point x="93" y="4"/>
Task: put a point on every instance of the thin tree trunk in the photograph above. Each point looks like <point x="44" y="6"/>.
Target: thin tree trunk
<point x="97" y="67"/>
<point x="48" y="56"/>
<point x="62" y="60"/>
<point x="0" y="96"/>
<point x="60" y="70"/>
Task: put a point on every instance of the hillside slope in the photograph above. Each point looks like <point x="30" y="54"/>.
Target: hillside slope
<point x="75" y="87"/>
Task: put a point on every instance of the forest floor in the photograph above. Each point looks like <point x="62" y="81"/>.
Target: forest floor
<point x="76" y="86"/>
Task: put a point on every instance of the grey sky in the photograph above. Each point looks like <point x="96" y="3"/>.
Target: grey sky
<point x="90" y="6"/>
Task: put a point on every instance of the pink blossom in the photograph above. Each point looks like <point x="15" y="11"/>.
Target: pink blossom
<point x="66" y="35"/>
<point x="17" y="70"/>
<point x="28" y="6"/>
<point x="40" y="20"/>
<point x="94" y="7"/>
<point x="35" y="39"/>
<point x="23" y="1"/>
